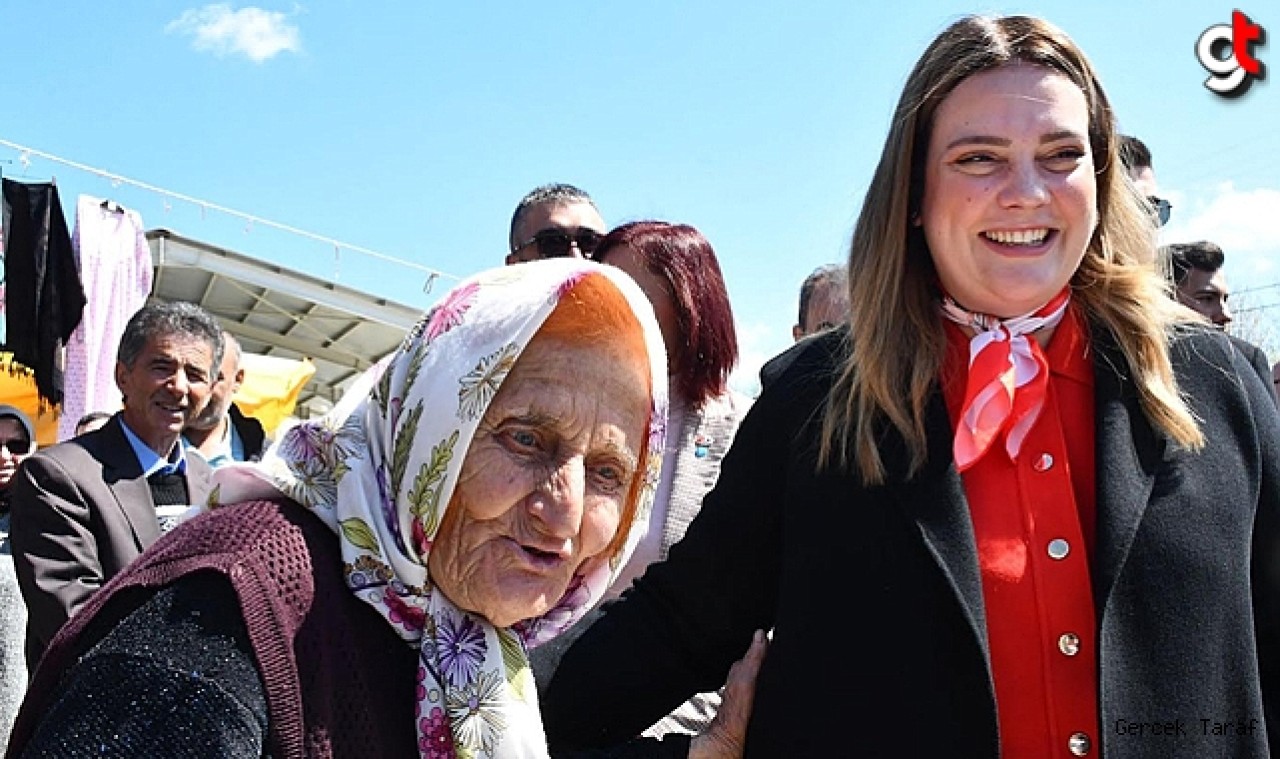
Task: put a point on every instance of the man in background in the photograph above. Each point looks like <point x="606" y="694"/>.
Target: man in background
<point x="824" y="300"/>
<point x="1200" y="284"/>
<point x="1136" y="157"/>
<point x="1193" y="268"/>
<point x="86" y="507"/>
<point x="91" y="421"/>
<point x="824" y="304"/>
<point x="221" y="433"/>
<point x="554" y="221"/>
<point x="1196" y="269"/>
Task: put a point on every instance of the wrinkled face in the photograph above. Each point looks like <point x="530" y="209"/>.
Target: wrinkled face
<point x="544" y="484"/>
<point x="168" y="384"/>
<point x="563" y="217"/>
<point x="658" y="291"/>
<point x="1207" y="293"/>
<point x="17" y="446"/>
<point x="1010" y="196"/>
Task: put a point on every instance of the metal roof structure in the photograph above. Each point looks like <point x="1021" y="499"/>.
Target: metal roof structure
<point x="276" y="311"/>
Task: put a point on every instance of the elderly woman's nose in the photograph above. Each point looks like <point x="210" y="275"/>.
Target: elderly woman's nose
<point x="561" y="505"/>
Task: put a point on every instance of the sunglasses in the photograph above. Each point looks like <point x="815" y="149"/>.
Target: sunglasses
<point x="1161" y="207"/>
<point x="18" y="447"/>
<point x="555" y="243"/>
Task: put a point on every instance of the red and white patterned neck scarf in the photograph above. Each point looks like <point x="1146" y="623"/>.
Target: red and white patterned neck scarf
<point x="1008" y="378"/>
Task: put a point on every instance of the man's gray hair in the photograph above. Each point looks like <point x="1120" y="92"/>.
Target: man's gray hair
<point x="177" y="318"/>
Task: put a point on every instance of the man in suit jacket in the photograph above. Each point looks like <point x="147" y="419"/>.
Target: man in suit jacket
<point x="85" y="508"/>
<point x="1199" y="284"/>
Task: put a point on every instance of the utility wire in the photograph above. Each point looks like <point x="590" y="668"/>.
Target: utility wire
<point x="26" y="151"/>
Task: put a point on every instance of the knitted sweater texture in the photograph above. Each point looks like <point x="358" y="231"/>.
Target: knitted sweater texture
<point x="338" y="681"/>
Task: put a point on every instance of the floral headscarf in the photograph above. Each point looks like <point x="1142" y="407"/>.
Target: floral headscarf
<point x="381" y="467"/>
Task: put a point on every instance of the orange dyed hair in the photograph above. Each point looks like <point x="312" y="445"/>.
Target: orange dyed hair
<point x="594" y="312"/>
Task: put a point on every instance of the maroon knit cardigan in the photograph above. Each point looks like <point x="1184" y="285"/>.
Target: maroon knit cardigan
<point x="339" y="682"/>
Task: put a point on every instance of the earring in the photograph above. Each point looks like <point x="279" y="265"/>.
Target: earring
<point x="915" y="218"/>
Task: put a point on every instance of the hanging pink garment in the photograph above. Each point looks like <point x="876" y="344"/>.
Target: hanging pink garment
<point x="115" y="269"/>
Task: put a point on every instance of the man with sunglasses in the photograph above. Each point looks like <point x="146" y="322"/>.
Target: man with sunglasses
<point x="17" y="441"/>
<point x="1136" y="157"/>
<point x="555" y="221"/>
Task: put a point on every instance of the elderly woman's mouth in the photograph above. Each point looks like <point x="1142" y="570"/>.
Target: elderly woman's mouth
<point x="541" y="557"/>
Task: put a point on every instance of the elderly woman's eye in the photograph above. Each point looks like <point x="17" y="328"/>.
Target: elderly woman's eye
<point x="610" y="478"/>
<point x="523" y="440"/>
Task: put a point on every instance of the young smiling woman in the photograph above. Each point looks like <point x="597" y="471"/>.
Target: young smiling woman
<point x="1020" y="500"/>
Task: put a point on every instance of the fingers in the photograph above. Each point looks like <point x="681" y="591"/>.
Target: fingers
<point x="741" y="685"/>
<point x="726" y="736"/>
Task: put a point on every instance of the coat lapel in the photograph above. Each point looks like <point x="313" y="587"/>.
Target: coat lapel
<point x="124" y="478"/>
<point x="935" y="499"/>
<point x="199" y="480"/>
<point x="1127" y="454"/>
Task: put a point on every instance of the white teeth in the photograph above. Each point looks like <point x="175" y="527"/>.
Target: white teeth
<point x="1017" y="237"/>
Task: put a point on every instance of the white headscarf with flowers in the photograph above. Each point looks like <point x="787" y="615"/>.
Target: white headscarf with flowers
<point x="381" y="467"/>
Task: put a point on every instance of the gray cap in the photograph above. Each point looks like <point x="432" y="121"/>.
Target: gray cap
<point x="17" y="413"/>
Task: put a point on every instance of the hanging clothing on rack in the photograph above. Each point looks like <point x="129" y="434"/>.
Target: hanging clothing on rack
<point x="115" y="268"/>
<point x="43" y="296"/>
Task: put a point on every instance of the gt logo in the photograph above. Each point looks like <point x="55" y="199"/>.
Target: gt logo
<point x="1232" y="75"/>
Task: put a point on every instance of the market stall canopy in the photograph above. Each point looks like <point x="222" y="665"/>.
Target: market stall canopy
<point x="278" y="312"/>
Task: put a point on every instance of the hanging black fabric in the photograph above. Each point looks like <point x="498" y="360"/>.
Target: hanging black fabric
<point x="43" y="295"/>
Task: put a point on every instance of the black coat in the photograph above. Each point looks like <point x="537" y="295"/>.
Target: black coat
<point x="875" y="597"/>
<point x="251" y="431"/>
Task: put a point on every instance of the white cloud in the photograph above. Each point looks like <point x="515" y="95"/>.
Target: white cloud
<point x="1246" y="223"/>
<point x="253" y="32"/>
<point x="1241" y="221"/>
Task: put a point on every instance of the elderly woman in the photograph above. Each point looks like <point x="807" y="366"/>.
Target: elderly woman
<point x="375" y="587"/>
<point x="1023" y="506"/>
<point x="677" y="269"/>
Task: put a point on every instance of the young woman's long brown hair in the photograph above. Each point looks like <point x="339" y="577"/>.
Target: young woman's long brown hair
<point x="896" y="338"/>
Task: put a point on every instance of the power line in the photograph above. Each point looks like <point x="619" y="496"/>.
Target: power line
<point x="338" y="245"/>
<point x="1259" y="288"/>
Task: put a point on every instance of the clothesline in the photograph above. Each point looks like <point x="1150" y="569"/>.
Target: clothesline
<point x="24" y="158"/>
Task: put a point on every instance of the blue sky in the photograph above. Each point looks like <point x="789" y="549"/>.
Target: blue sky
<point x="412" y="128"/>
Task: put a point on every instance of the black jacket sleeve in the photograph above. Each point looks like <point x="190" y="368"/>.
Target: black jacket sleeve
<point x="175" y="677"/>
<point x="683" y="624"/>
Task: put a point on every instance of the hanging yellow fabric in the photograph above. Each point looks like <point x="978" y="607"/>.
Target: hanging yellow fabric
<point x="18" y="389"/>
<point x="271" y="386"/>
